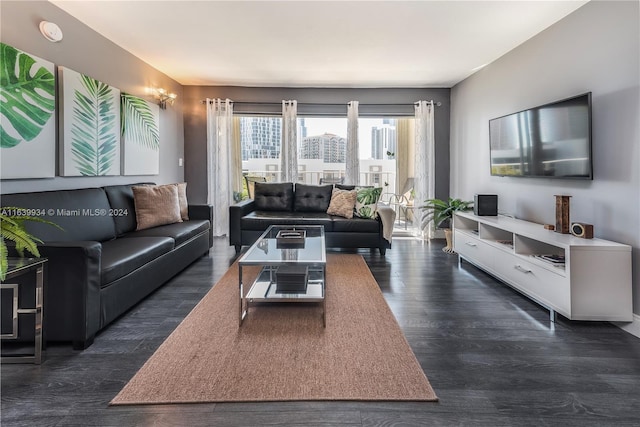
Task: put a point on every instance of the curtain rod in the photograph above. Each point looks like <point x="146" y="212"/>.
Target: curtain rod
<point x="437" y="104"/>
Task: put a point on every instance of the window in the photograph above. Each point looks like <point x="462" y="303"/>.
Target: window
<point x="322" y="145"/>
<point x="260" y="142"/>
<point x="323" y="142"/>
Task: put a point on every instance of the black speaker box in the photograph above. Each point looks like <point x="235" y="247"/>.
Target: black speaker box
<point x="485" y="204"/>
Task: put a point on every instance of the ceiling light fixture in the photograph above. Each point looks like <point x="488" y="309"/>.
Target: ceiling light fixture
<point x="163" y="97"/>
<point x="51" y="31"/>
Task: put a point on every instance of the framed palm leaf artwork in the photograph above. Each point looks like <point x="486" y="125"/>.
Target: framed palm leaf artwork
<point x="90" y="126"/>
<point x="140" y="135"/>
<point x="27" y="115"/>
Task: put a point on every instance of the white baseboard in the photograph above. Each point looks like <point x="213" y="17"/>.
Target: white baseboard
<point x="633" y="327"/>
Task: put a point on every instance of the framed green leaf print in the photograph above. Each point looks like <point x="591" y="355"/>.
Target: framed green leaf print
<point x="140" y="135"/>
<point x="90" y="126"/>
<point x="27" y="115"/>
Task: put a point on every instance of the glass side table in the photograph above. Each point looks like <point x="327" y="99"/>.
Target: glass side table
<point x="22" y="293"/>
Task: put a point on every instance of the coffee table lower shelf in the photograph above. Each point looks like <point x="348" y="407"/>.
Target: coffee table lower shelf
<point x="264" y="287"/>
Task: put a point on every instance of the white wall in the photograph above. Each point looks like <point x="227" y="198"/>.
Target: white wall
<point x="594" y="49"/>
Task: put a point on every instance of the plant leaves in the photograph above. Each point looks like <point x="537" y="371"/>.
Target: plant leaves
<point x="439" y="211"/>
<point x="12" y="228"/>
<point x="138" y="123"/>
<point x="4" y="262"/>
<point x="368" y="196"/>
<point x="93" y="134"/>
<point x="27" y="95"/>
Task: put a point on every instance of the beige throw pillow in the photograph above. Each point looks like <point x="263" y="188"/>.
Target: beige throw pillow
<point x="156" y="205"/>
<point x="342" y="203"/>
<point x="182" y="200"/>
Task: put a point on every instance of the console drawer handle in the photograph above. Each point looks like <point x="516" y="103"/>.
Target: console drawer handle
<point x="521" y="268"/>
<point x="471" y="244"/>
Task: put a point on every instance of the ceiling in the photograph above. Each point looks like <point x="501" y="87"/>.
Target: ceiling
<point x="318" y="43"/>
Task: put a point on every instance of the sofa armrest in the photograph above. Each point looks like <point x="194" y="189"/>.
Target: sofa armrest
<point x="204" y="212"/>
<point x="236" y="212"/>
<point x="72" y="291"/>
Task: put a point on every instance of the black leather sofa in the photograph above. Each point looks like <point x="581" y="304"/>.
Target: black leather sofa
<point x="278" y="203"/>
<point x="99" y="266"/>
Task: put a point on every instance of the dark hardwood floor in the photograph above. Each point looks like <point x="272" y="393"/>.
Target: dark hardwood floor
<point x="492" y="356"/>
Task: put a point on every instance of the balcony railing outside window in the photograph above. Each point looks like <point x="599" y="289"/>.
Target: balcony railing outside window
<point x="321" y="149"/>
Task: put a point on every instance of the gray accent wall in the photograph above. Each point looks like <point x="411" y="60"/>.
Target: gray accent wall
<point x="85" y="51"/>
<point x="195" y="126"/>
<point x="594" y="49"/>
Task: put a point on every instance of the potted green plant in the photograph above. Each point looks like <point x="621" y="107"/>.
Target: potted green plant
<point x="12" y="228"/>
<point x="441" y="212"/>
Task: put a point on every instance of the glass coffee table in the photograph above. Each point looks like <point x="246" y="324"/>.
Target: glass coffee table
<point x="291" y="271"/>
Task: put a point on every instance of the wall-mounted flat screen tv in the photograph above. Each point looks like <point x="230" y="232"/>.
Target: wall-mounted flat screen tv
<point x="549" y="141"/>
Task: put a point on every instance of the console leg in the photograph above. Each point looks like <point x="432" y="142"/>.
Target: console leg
<point x="238" y="248"/>
<point x="383" y="250"/>
<point x="552" y="316"/>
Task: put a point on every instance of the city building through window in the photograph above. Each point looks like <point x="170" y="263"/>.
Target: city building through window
<point x="321" y="149"/>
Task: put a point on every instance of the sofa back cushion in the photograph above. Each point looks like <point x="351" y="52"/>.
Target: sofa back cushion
<point x="345" y="187"/>
<point x="273" y="196"/>
<point x="124" y="210"/>
<point x="83" y="214"/>
<point x="312" y="198"/>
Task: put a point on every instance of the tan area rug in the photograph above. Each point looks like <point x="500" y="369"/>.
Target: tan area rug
<point x="282" y="352"/>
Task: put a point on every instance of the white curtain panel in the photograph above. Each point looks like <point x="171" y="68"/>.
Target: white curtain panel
<point x="220" y="162"/>
<point x="289" y="149"/>
<point x="424" y="168"/>
<point x="352" y="173"/>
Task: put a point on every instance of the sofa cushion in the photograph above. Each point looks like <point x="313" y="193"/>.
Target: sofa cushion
<point x="342" y="203"/>
<point x="180" y="231"/>
<point x="318" y="218"/>
<point x="312" y="198"/>
<point x="122" y="256"/>
<point x="82" y="214"/>
<point x="124" y="209"/>
<point x="274" y="196"/>
<point x="156" y="205"/>
<point x="355" y="225"/>
<point x="261" y="220"/>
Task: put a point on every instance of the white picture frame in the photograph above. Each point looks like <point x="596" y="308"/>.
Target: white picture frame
<point x="140" y="136"/>
<point x="89" y="126"/>
<point x="28" y="123"/>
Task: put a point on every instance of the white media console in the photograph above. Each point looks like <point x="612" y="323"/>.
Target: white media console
<point x="582" y="279"/>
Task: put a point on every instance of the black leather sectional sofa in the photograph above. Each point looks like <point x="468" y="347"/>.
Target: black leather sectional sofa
<point x="99" y="265"/>
<point x="278" y="203"/>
